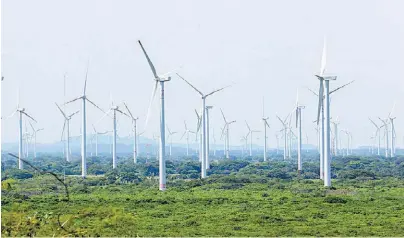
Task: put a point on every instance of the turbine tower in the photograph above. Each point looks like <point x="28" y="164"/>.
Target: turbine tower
<point x="66" y="125"/>
<point x="135" y="135"/>
<point x="298" y="110"/>
<point x="250" y="133"/>
<point x="265" y="121"/>
<point x="34" y="131"/>
<point x="226" y="129"/>
<point x="393" y="131"/>
<point x="159" y="79"/>
<point x="207" y="137"/>
<point x="386" y="135"/>
<point x="83" y="125"/>
<point x="205" y="150"/>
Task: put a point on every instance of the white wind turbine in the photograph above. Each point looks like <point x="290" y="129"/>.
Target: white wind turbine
<point x="298" y="110"/>
<point x="135" y="135"/>
<point x="186" y="132"/>
<point x="265" y="121"/>
<point x="205" y="150"/>
<point x="96" y="133"/>
<point x="159" y="79"/>
<point x="170" y="136"/>
<point x="34" y="131"/>
<point x="83" y="99"/>
<point x="21" y="112"/>
<point x="226" y="132"/>
<point x="393" y="131"/>
<point x="199" y="132"/>
<point x="386" y="135"/>
<point x="66" y="125"/>
<point x="336" y="134"/>
<point x="285" y="130"/>
<point x="377" y="134"/>
<point x="114" y="110"/>
<point x="250" y="133"/>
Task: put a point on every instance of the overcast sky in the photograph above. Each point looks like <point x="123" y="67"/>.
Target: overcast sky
<point x="263" y="48"/>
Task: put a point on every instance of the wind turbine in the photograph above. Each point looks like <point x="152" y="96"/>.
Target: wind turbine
<point x="114" y="109"/>
<point x="34" y="131"/>
<point x="170" y="136"/>
<point x="21" y="112"/>
<point x="198" y="132"/>
<point x="226" y="128"/>
<point x="186" y="132"/>
<point x="393" y="131"/>
<point x="298" y="110"/>
<point x="336" y="123"/>
<point x="377" y="134"/>
<point x="285" y="129"/>
<point x="84" y="125"/>
<point x="205" y="151"/>
<point x="386" y="135"/>
<point x="250" y="133"/>
<point x="159" y="79"/>
<point x="96" y="133"/>
<point x="265" y="120"/>
<point x="66" y="124"/>
<point x="135" y="135"/>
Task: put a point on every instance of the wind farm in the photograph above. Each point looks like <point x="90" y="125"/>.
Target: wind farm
<point x="256" y="132"/>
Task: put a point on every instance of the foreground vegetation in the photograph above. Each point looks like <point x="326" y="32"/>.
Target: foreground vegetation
<point x="240" y="198"/>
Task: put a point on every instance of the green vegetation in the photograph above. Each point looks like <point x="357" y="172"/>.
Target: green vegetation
<point x="240" y="198"/>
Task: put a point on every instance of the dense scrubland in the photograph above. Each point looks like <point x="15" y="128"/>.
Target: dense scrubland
<point x="241" y="197"/>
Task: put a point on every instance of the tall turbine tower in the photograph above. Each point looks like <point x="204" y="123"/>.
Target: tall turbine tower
<point x="265" y="121"/>
<point x="336" y="134"/>
<point x="66" y="125"/>
<point x="135" y="135"/>
<point x="207" y="137"/>
<point x="83" y="126"/>
<point x="299" y="133"/>
<point x="250" y="133"/>
<point x="159" y="79"/>
<point x="393" y="131"/>
<point x="227" y="138"/>
<point x="204" y="138"/>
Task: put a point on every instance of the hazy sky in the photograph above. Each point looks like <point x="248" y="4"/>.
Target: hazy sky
<point x="264" y="48"/>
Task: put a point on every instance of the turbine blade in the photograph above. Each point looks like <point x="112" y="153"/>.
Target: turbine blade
<point x="127" y="108"/>
<point x="122" y="112"/>
<point x="29" y="116"/>
<point x="149" y="61"/>
<point x="224" y="118"/>
<point x="74" y="113"/>
<point x="267" y="124"/>
<point x="95" y="105"/>
<point x="186" y="128"/>
<point x="373" y="123"/>
<point x="249" y="129"/>
<point x="312" y="92"/>
<point x="63" y="130"/>
<point x="85" y="82"/>
<point x="190" y="84"/>
<point x="392" y="109"/>
<point x="32" y="127"/>
<point x="341" y="87"/>
<point x="183" y="135"/>
<point x="61" y="111"/>
<point x="72" y="100"/>
<point x="324" y="57"/>
<point x="280" y="120"/>
<point x="220" y="89"/>
<point x="151" y="102"/>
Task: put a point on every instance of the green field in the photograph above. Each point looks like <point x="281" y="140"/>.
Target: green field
<point x="240" y="203"/>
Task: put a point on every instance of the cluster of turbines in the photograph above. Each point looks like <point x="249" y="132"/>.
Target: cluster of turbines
<point x="329" y="140"/>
